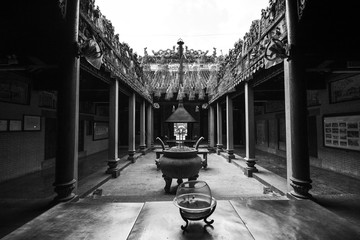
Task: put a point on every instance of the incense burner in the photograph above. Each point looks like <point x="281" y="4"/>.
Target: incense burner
<point x="179" y="162"/>
<point x="195" y="202"/>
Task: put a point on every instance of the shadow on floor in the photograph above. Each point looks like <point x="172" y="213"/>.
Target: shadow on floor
<point x="334" y="191"/>
<point x="24" y="198"/>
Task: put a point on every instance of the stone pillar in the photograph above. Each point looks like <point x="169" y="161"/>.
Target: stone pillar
<point x="152" y="127"/>
<point x="229" y="128"/>
<point x="249" y="130"/>
<point x="162" y="121"/>
<point x="68" y="110"/>
<point x="142" y="127"/>
<point x="149" y="136"/>
<point x="219" y="144"/>
<point x="113" y="129"/>
<point x="297" y="153"/>
<point x="132" y="103"/>
<point x="211" y="127"/>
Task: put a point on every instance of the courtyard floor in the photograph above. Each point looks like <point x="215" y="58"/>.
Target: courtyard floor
<point x="138" y="195"/>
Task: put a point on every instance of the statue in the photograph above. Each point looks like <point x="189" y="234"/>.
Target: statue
<point x="145" y="52"/>
<point x="214" y="52"/>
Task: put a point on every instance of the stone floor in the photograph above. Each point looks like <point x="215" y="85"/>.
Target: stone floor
<point x="324" y="182"/>
<point x="233" y="219"/>
<point x="141" y="186"/>
<point x="143" y="182"/>
<point x="26" y="197"/>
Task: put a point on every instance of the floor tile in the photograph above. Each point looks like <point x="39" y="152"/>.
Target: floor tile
<point x="162" y="220"/>
<point x="300" y="219"/>
<point x="82" y="221"/>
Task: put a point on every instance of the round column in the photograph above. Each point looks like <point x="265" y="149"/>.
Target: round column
<point x="219" y="144"/>
<point x="68" y="110"/>
<point x="297" y="153"/>
<point x="250" y="130"/>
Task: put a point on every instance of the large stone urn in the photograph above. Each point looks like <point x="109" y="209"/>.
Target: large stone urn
<point x="179" y="162"/>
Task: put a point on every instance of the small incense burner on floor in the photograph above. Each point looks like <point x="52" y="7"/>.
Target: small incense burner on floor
<point x="195" y="202"/>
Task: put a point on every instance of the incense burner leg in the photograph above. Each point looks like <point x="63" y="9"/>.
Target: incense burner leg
<point x="186" y="221"/>
<point x="168" y="181"/>
<point x="179" y="181"/>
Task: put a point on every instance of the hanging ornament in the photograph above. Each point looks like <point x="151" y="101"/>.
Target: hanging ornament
<point x="192" y="95"/>
<point x="169" y="95"/>
<point x="157" y="93"/>
<point x="181" y="93"/>
<point x="201" y="94"/>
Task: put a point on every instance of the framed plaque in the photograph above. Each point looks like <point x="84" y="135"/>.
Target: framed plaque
<point x="101" y="130"/>
<point x="3" y="125"/>
<point x="13" y="90"/>
<point x="347" y="89"/>
<point x="32" y="123"/>
<point x="342" y="132"/>
<point x="15" y="125"/>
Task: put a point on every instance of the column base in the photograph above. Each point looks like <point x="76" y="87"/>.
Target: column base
<point x="115" y="172"/>
<point x="143" y="149"/>
<point x="131" y="156"/>
<point x="113" y="169"/>
<point x="301" y="188"/>
<point x="64" y="191"/>
<point x="219" y="148"/>
<point x="230" y="153"/>
<point x="250" y="169"/>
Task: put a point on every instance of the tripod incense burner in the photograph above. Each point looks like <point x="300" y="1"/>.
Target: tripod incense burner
<point x="195" y="202"/>
<point x="179" y="162"/>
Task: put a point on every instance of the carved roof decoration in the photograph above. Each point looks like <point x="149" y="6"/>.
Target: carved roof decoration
<point x="248" y="55"/>
<point x="212" y="75"/>
<point x="118" y="58"/>
<point x="169" y="56"/>
<point x="161" y="72"/>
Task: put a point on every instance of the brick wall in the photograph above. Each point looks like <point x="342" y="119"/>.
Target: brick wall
<point x="23" y="152"/>
<point x="339" y="160"/>
<point x="20" y="153"/>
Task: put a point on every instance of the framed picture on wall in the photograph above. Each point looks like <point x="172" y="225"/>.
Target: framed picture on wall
<point x="342" y="132"/>
<point x="14" y="89"/>
<point x="15" y="125"/>
<point x="101" y="130"/>
<point x="3" y="125"/>
<point x="346" y="89"/>
<point x="47" y="99"/>
<point x="32" y="123"/>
